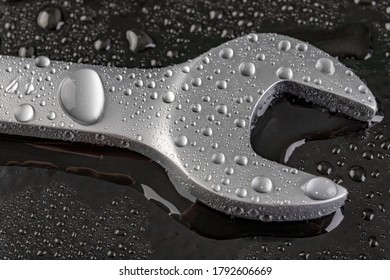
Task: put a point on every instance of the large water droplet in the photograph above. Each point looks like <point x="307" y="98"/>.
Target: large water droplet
<point x="262" y="184"/>
<point x="82" y="96"/>
<point x="24" y="113"/>
<point x="325" y="65"/>
<point x="247" y="69"/>
<point x="320" y="188"/>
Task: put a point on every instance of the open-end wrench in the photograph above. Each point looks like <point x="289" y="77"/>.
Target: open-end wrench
<point x="194" y="118"/>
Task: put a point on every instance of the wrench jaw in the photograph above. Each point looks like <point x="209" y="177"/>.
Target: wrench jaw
<point x="195" y="119"/>
<point x="246" y="74"/>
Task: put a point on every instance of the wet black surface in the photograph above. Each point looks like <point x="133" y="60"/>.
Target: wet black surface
<point x="43" y="205"/>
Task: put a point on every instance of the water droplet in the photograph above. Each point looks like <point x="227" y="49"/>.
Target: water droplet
<point x="24" y="113"/>
<point x="207" y="131"/>
<point x="240" y="122"/>
<point x="222" y="109"/>
<point x="168" y="97"/>
<point x="284" y="73"/>
<point x="51" y="116"/>
<point x="181" y="140"/>
<point x="324" y="168"/>
<point x="368" y="214"/>
<point x="253" y="37"/>
<point x="50" y="18"/>
<point x="216" y="187"/>
<point x="363" y="89"/>
<point x="197" y="82"/>
<point x="42" y="61"/>
<point x="139" y="40"/>
<point x="325" y="65"/>
<point x="218" y="158"/>
<point x="196" y="108"/>
<point x="247" y="69"/>
<point x="221" y="84"/>
<point x="82" y="96"/>
<point x="357" y="173"/>
<point x="260" y="57"/>
<point x="226" y="53"/>
<point x="241" y="160"/>
<point x="302" y="47"/>
<point x="262" y="184"/>
<point x="284" y="45"/>
<point x="241" y="192"/>
<point x="320" y="188"/>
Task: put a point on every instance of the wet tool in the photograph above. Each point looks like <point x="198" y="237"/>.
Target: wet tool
<point x="194" y="118"/>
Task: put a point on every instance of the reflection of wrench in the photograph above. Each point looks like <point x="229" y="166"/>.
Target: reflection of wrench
<point x="194" y="118"/>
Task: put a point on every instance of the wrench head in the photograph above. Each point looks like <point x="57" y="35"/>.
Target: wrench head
<point x="239" y="80"/>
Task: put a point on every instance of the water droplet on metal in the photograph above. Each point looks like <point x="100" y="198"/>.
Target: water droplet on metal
<point x="247" y="69"/>
<point x="226" y="53"/>
<point x="181" y="140"/>
<point x="262" y="184"/>
<point x="42" y="61"/>
<point x="24" y="113"/>
<point x="325" y="65"/>
<point x="168" y="97"/>
<point x="82" y="96"/>
<point x="320" y="188"/>
<point x="284" y="73"/>
<point x="218" y="158"/>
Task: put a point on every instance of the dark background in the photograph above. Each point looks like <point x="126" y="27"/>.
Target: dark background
<point x="85" y="202"/>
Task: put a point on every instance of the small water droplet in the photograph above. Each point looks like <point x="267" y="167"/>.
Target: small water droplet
<point x="241" y="160"/>
<point x="357" y="173"/>
<point x="168" y="97"/>
<point x="218" y="158"/>
<point x="262" y="184"/>
<point x="226" y="53"/>
<point x="284" y="45"/>
<point x="247" y="69"/>
<point x="325" y="65"/>
<point x="241" y="192"/>
<point x="42" y="61"/>
<point x="284" y="73"/>
<point x="302" y="47"/>
<point x="181" y="140"/>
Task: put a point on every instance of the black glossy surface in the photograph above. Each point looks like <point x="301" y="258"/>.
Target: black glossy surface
<point x="41" y="209"/>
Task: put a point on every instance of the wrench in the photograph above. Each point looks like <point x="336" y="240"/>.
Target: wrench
<point x="194" y="119"/>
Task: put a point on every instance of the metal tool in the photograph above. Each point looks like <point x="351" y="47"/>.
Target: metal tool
<point x="194" y="119"/>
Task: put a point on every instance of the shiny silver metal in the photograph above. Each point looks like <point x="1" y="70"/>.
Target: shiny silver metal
<point x="194" y="119"/>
